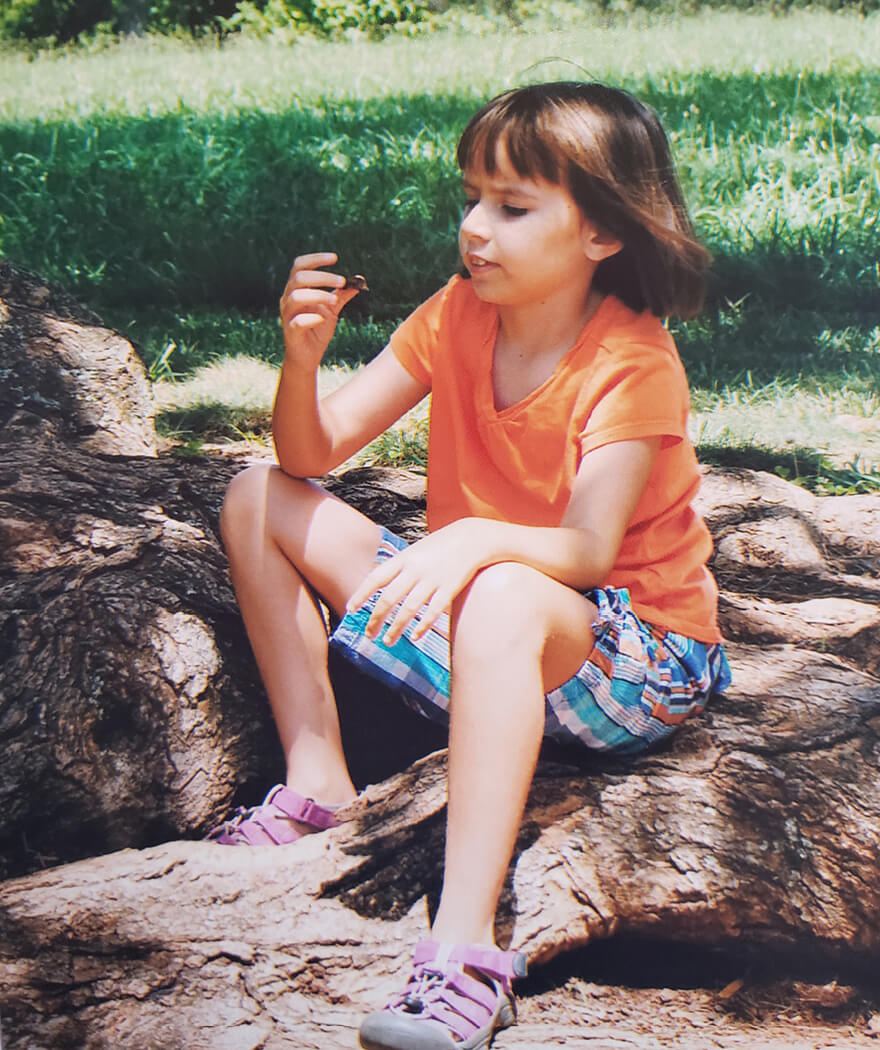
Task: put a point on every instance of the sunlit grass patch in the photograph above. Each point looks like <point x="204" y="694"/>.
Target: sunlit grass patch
<point x="782" y="384"/>
<point x="827" y="440"/>
<point x="239" y="389"/>
<point x="405" y="444"/>
<point x="843" y="426"/>
<point x="486" y="57"/>
<point x="174" y="344"/>
<point x="230" y="400"/>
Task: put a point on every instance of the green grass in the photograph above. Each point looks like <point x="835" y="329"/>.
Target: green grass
<point x="169" y="185"/>
<point x="202" y="196"/>
<point x="157" y="76"/>
<point x="230" y="399"/>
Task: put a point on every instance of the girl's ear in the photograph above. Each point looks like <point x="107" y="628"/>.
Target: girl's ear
<point x="598" y="243"/>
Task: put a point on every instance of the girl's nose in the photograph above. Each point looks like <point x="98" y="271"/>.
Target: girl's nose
<point x="473" y="222"/>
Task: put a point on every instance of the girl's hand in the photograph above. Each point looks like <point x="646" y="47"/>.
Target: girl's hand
<point x="310" y="307"/>
<point x="425" y="578"/>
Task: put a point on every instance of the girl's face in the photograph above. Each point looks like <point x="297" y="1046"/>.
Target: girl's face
<point x="524" y="239"/>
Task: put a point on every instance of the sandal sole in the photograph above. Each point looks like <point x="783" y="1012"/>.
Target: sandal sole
<point x="387" y="1031"/>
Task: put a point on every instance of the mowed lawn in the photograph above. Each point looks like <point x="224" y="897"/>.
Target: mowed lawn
<point x="170" y="185"/>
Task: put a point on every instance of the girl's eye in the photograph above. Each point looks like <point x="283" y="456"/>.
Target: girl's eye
<point x="513" y="212"/>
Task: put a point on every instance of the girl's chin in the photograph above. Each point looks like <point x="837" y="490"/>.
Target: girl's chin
<point x="487" y="294"/>
<point x="485" y="282"/>
<point x="496" y="292"/>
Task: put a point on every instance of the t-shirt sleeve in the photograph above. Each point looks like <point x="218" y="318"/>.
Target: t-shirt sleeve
<point x="638" y="391"/>
<point x="413" y="343"/>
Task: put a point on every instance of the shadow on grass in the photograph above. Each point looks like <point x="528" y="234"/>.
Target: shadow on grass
<point x="186" y="209"/>
<point x="804" y="466"/>
<point x="755" y="343"/>
<point x="213" y="420"/>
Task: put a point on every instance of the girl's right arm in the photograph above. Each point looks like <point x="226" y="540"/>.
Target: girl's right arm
<point x="312" y="436"/>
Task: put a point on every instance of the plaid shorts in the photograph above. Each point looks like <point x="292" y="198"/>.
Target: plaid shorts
<point x="637" y="686"/>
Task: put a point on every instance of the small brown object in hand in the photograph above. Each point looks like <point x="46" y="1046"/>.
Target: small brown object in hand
<point x="357" y="281"/>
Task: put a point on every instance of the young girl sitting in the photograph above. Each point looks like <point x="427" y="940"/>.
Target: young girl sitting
<point x="562" y="589"/>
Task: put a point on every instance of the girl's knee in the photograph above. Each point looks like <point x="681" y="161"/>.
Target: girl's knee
<point x="511" y="608"/>
<point x="250" y="498"/>
<point x="264" y="506"/>
<point x="245" y="494"/>
<point x="497" y="582"/>
<point x="499" y="602"/>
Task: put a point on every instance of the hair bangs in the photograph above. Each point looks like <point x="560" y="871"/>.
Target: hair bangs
<point x="501" y="125"/>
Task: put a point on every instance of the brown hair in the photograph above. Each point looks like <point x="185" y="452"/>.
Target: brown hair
<point x="611" y="153"/>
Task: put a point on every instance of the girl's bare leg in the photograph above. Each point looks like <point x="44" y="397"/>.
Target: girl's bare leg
<point x="516" y="634"/>
<point x="284" y="536"/>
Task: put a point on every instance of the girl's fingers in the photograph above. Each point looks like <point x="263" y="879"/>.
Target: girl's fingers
<point x="375" y="580"/>
<point x="309" y="293"/>
<point x="432" y="612"/>
<point x="390" y="596"/>
<point x="302" y="300"/>
<point x="311" y="320"/>
<point x="314" y="293"/>
<point x="310" y="309"/>
<point x="305" y="279"/>
<point x="406" y="613"/>
<point x="311" y="300"/>
<point x="401" y="599"/>
<point x="315" y="279"/>
<point x="313" y="259"/>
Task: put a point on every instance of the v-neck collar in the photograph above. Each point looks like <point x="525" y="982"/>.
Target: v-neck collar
<point x="486" y="389"/>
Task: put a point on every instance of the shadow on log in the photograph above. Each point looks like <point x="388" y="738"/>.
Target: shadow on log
<point x="131" y="713"/>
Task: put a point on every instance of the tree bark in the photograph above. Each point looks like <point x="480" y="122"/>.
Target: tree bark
<point x="757" y="828"/>
<point x="131" y="713"/>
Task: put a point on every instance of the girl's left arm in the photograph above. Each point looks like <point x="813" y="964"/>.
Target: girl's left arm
<point x="580" y="552"/>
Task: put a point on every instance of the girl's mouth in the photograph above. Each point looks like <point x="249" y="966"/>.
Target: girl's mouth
<point x="476" y="265"/>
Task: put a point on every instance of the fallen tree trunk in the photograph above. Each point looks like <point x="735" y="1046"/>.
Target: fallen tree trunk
<point x="131" y="713"/>
<point x="751" y="827"/>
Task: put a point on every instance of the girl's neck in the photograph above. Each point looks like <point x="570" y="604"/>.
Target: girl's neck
<point x="547" y="328"/>
<point x="531" y="343"/>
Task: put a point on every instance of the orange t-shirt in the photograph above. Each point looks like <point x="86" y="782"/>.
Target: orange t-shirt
<point x="622" y="380"/>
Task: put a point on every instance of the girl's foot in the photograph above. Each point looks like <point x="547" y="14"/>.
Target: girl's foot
<point x="457" y="998"/>
<point x="283" y="816"/>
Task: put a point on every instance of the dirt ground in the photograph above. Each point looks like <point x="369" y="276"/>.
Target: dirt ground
<point x="788" y="1015"/>
<point x="585" y="1015"/>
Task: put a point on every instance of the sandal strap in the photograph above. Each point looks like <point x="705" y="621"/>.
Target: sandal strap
<point x="260" y="828"/>
<point x="440" y="990"/>
<point x="493" y="962"/>
<point x="297" y="807"/>
<point x="269" y="824"/>
<point x="456" y="995"/>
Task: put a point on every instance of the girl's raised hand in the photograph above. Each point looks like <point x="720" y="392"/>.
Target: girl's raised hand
<point x="310" y="305"/>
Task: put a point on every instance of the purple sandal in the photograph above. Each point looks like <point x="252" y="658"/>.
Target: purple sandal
<point x="272" y="822"/>
<point x="445" y="1008"/>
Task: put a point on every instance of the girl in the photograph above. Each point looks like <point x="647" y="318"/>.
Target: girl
<point x="564" y="569"/>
